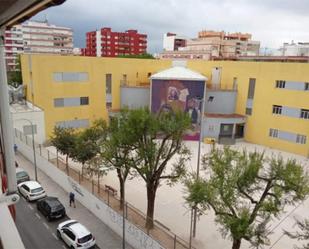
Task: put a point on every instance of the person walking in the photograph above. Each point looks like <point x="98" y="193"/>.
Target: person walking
<point x="72" y="199"/>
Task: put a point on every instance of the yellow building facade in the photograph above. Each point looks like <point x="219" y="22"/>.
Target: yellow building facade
<point x="74" y="89"/>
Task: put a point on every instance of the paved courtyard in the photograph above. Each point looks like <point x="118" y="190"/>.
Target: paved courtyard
<point x="171" y="210"/>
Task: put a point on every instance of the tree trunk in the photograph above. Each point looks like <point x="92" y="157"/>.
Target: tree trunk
<point x="236" y="243"/>
<point x="83" y="164"/>
<point x="121" y="187"/>
<point x="151" y="196"/>
<point x="67" y="164"/>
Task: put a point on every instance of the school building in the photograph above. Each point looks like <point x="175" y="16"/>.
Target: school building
<point x="264" y="103"/>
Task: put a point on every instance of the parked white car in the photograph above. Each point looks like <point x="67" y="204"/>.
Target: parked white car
<point x="31" y="190"/>
<point x="75" y="235"/>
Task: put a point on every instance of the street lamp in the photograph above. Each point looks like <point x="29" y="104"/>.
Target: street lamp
<point x="33" y="145"/>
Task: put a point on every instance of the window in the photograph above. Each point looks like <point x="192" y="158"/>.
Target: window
<point x="251" y="88"/>
<point x="108" y="105"/>
<point x="306" y="86"/>
<point x="301" y="139"/>
<point x="84" y="100"/>
<point x="273" y="132"/>
<point x="76" y="123"/>
<point x="280" y="84"/>
<point x="108" y="79"/>
<point x="277" y="109"/>
<point x="70" y="77"/>
<point x="248" y="111"/>
<point x="76" y="101"/>
<point x="27" y="129"/>
<point x="211" y="98"/>
<point x="304" y="113"/>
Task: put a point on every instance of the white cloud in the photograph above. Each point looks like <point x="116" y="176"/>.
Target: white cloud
<point x="270" y="21"/>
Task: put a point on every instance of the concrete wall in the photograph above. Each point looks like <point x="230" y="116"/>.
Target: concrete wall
<point x="134" y="97"/>
<point x="36" y="117"/>
<point x="223" y="102"/>
<point x="211" y="126"/>
<point x="134" y="236"/>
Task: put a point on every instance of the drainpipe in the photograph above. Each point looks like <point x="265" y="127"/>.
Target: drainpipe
<point x="6" y="123"/>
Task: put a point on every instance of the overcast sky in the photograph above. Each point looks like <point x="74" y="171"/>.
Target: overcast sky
<point x="270" y="21"/>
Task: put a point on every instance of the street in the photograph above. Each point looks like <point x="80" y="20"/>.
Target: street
<point x="34" y="229"/>
<point x="37" y="232"/>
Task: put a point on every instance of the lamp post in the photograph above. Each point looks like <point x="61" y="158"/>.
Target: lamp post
<point x="194" y="211"/>
<point x="33" y="146"/>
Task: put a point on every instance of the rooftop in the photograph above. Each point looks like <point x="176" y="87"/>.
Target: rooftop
<point x="179" y="73"/>
<point x="20" y="108"/>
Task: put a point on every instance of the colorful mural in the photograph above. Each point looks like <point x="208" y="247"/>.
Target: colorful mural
<point x="179" y="95"/>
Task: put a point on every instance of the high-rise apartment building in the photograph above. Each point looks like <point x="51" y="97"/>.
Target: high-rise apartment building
<point x="212" y="44"/>
<point x="173" y="42"/>
<point x="36" y="37"/>
<point x="107" y="43"/>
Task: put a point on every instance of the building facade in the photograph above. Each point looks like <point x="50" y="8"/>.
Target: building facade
<point x="212" y="44"/>
<point x="172" y="42"/>
<point x="107" y="43"/>
<point x="260" y="102"/>
<point x="36" y="37"/>
<point x="295" y="49"/>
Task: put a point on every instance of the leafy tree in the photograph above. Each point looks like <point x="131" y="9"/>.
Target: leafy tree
<point x="156" y="140"/>
<point x="64" y="139"/>
<point x="138" y="56"/>
<point x="87" y="142"/>
<point x="116" y="152"/>
<point x="245" y="190"/>
<point x="303" y="234"/>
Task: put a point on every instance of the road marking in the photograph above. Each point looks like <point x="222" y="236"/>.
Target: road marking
<point x="37" y="215"/>
<point x="30" y="206"/>
<point x="64" y="247"/>
<point x="55" y="236"/>
<point x="47" y="227"/>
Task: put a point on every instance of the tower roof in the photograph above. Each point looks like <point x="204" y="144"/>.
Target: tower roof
<point x="179" y="73"/>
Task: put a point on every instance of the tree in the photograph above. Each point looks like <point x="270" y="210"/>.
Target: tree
<point x="302" y="235"/>
<point x="156" y="140"/>
<point x="87" y="142"/>
<point x="116" y="152"/>
<point x="245" y="189"/>
<point x="138" y="56"/>
<point x="64" y="139"/>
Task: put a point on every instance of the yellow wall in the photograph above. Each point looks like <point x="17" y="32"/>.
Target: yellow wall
<point x="45" y="89"/>
<point x="258" y="124"/>
<point x="266" y="95"/>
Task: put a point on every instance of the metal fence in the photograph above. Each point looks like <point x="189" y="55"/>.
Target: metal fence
<point x="94" y="184"/>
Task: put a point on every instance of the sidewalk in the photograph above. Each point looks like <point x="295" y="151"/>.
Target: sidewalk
<point x="105" y="237"/>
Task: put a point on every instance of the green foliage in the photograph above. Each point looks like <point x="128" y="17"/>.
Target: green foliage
<point x="245" y="189"/>
<point x="64" y="139"/>
<point x="303" y="234"/>
<point x="155" y="140"/>
<point x="87" y="142"/>
<point x="137" y="56"/>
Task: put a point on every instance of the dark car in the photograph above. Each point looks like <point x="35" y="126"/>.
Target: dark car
<point x="21" y="175"/>
<point x="51" y="207"/>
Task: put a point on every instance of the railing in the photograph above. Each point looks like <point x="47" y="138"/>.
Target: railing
<point x="94" y="184"/>
<point x="225" y="87"/>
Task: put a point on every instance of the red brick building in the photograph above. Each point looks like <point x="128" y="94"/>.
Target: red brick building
<point x="107" y="43"/>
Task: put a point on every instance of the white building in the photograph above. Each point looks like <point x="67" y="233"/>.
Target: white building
<point x="27" y="118"/>
<point x="36" y="37"/>
<point x="295" y="49"/>
<point x="172" y="42"/>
